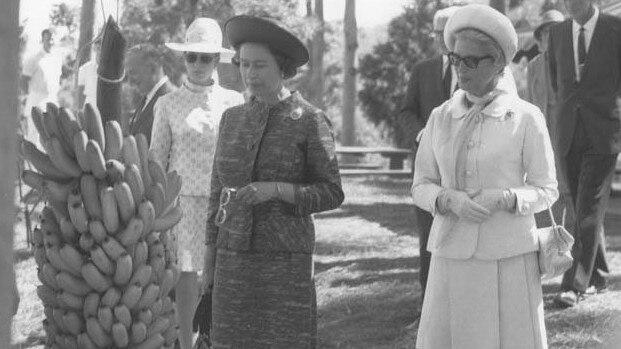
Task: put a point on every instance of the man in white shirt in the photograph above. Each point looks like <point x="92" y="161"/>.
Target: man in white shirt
<point x="87" y="78"/>
<point x="41" y="81"/>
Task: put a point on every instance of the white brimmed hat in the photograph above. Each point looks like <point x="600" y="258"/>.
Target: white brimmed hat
<point x="487" y="20"/>
<point x="203" y="36"/>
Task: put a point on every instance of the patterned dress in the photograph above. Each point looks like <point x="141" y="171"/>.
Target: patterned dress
<point x="264" y="292"/>
<point x="183" y="139"/>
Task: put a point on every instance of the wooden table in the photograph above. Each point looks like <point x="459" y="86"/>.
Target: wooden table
<point x="396" y="158"/>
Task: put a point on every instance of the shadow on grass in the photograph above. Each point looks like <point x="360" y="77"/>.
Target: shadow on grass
<point x="371" y="264"/>
<point x="398" y="218"/>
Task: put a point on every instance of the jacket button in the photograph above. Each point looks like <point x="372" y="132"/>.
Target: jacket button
<point x="470" y="144"/>
<point x="468" y="173"/>
<point x="250" y="146"/>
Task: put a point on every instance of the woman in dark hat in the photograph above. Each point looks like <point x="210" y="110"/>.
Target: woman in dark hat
<point x="275" y="165"/>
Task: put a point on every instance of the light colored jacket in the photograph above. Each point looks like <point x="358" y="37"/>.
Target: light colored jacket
<point x="509" y="148"/>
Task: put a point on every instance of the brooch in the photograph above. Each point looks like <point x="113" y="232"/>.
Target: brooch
<point x="296" y="113"/>
<point x="509" y="114"/>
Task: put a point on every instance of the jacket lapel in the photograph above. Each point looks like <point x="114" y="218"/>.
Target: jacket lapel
<point x="596" y="40"/>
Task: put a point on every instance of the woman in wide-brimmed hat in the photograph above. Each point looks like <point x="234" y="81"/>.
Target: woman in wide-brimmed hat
<point x="184" y="135"/>
<point x="275" y="165"/>
<point x="484" y="167"/>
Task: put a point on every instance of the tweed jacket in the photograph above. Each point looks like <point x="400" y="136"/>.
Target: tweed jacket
<point x="509" y="149"/>
<point x="289" y="142"/>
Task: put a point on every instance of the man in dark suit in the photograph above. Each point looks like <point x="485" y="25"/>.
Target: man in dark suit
<point x="432" y="82"/>
<point x="146" y="72"/>
<point x="585" y="72"/>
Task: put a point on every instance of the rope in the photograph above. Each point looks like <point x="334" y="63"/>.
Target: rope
<point x="112" y="81"/>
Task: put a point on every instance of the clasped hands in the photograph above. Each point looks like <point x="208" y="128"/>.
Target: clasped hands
<point x="476" y="205"/>
<point x="257" y="192"/>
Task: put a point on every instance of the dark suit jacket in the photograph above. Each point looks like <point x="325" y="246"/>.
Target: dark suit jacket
<point x="425" y="92"/>
<point x="594" y="97"/>
<point x="142" y="120"/>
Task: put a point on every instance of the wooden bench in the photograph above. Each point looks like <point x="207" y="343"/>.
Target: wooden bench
<point x="396" y="158"/>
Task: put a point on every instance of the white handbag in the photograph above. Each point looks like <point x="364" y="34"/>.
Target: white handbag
<point x="555" y="244"/>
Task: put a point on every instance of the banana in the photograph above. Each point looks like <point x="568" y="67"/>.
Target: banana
<point x="71" y="342"/>
<point x="176" y="272"/>
<point x="74" y="322"/>
<point x="57" y="191"/>
<point x="158" y="263"/>
<point x="142" y="276"/>
<point x="141" y="254"/>
<point x="94" y="126"/>
<point x="68" y="231"/>
<point x="96" y="161"/>
<point x="110" y="211"/>
<point x="91" y="304"/>
<point x="153" y="238"/>
<point x="59" y="208"/>
<point x="123" y="315"/>
<point x="72" y="258"/>
<point x="156" y="194"/>
<point x="49" y="221"/>
<point x="168" y="220"/>
<point x="132" y="232"/>
<point x="50" y="239"/>
<point x="53" y="256"/>
<point x="143" y="150"/>
<point x="49" y="275"/>
<point x="158" y="326"/>
<point x="111" y="298"/>
<point x="123" y="270"/>
<point x="124" y="201"/>
<point x="146" y="211"/>
<point x="156" y="249"/>
<point x="120" y="335"/>
<point x="130" y="151"/>
<point x="136" y="185"/>
<point x="86" y="242"/>
<point x="170" y="335"/>
<point x="37" y="237"/>
<point x="85" y="342"/>
<point x="138" y="332"/>
<point x="131" y="296"/>
<point x="114" y="170"/>
<point x="47" y="296"/>
<point x="39" y="256"/>
<point x="62" y="160"/>
<point x="98" y="231"/>
<point x="167" y="282"/>
<point x="50" y="123"/>
<point x="157" y="172"/>
<point x="94" y="278"/>
<point x="145" y="315"/>
<point x="101" y="261"/>
<point x="50" y="327"/>
<point x="33" y="180"/>
<point x="42" y="162"/>
<point x="113" y="248"/>
<point x="90" y="196"/>
<point x="156" y="308"/>
<point x="37" y="119"/>
<point x="149" y="295"/>
<point x="58" y="315"/>
<point x="72" y="284"/>
<point x="70" y="300"/>
<point x="80" y="139"/>
<point x="106" y="318"/>
<point x="114" y="140"/>
<point x="69" y="125"/>
<point x="97" y="333"/>
<point x="174" y="187"/>
<point x="79" y="217"/>
<point x="167" y="305"/>
<point x="153" y="342"/>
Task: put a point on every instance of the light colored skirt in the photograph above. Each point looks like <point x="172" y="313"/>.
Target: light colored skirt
<point x="483" y="304"/>
<point x="189" y="233"/>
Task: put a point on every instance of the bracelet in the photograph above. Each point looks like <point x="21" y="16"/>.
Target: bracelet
<point x="278" y="194"/>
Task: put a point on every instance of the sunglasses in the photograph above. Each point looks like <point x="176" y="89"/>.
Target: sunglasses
<point x="205" y="59"/>
<point x="225" y="197"/>
<point x="471" y="62"/>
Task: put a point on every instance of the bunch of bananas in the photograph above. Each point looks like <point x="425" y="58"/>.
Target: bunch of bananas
<point x="103" y="249"/>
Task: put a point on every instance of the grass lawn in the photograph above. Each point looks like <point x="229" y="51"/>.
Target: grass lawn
<point x="366" y="267"/>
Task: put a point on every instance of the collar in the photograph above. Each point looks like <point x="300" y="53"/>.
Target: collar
<point x="589" y="26"/>
<point x="155" y="88"/>
<point x="497" y="108"/>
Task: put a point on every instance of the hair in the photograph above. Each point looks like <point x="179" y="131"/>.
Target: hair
<point x="487" y="41"/>
<point x="147" y="54"/>
<point x="285" y="63"/>
<point x="46" y="32"/>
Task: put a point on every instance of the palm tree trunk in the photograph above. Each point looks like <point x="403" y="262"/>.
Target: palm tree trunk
<point x="349" y="69"/>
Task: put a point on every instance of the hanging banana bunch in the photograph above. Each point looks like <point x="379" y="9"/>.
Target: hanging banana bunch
<point x="102" y="250"/>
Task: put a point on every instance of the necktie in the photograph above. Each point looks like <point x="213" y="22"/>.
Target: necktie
<point x="582" y="53"/>
<point x="446" y="80"/>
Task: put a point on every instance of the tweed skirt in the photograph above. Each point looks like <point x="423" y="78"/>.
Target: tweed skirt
<point x="483" y="304"/>
<point x="263" y="301"/>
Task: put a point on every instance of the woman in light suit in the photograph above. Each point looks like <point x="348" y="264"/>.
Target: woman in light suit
<point x="484" y="167"/>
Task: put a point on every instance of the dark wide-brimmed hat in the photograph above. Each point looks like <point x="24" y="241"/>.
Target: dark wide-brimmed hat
<point x="244" y="28"/>
<point x="548" y="18"/>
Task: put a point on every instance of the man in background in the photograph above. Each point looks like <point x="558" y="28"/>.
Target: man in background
<point x="87" y="77"/>
<point x="146" y="73"/>
<point x="432" y="82"/>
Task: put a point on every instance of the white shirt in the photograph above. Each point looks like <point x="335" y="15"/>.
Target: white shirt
<point x="44" y="70"/>
<point x="87" y="77"/>
<point x="153" y="91"/>
<point x="589" y="28"/>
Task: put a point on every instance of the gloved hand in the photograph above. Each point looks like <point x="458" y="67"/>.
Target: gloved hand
<point x="257" y="192"/>
<point x="201" y="322"/>
<point x="495" y="200"/>
<point x="460" y="203"/>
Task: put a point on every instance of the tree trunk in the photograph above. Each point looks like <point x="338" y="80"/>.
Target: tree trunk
<point x="9" y="111"/>
<point x="87" y="20"/>
<point x="349" y="69"/>
<point x="498" y="5"/>
<point x="318" y="48"/>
